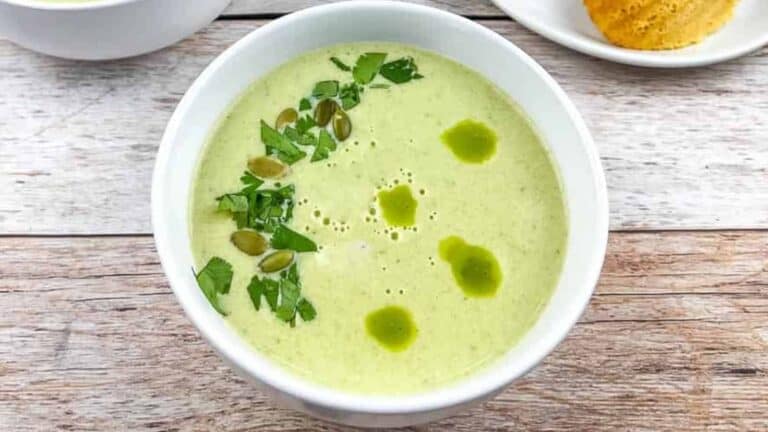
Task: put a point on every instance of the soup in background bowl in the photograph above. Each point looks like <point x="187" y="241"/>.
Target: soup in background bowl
<point x="398" y="256"/>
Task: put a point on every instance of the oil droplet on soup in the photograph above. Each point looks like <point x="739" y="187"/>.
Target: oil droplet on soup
<point x="392" y="327"/>
<point x="398" y="206"/>
<point x="474" y="268"/>
<point x="470" y="141"/>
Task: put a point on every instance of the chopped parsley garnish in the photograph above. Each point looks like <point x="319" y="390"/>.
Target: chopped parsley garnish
<point x="340" y="64"/>
<point x="306" y="311"/>
<point x="308" y="139"/>
<point x="263" y="287"/>
<point x="234" y="203"/>
<point x="325" y="89"/>
<point x="271" y="292"/>
<point x="285" y="238"/>
<point x="265" y="210"/>
<point x="250" y="181"/>
<point x="291" y="133"/>
<point x="303" y="124"/>
<point x="400" y="71"/>
<point x="349" y="95"/>
<point x="289" y="296"/>
<point x="325" y="145"/>
<point x="259" y="209"/>
<point x="255" y="291"/>
<point x="269" y="210"/>
<point x="283" y="296"/>
<point x="367" y="67"/>
<point x="214" y="279"/>
<point x="278" y="144"/>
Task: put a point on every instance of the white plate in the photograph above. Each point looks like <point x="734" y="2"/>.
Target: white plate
<point x="567" y="22"/>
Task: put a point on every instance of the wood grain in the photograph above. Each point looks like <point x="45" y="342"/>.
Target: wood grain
<point x="676" y="338"/>
<point x="474" y="8"/>
<point x="681" y="149"/>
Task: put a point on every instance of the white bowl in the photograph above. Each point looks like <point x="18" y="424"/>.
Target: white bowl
<point x="105" y="29"/>
<point x="558" y="122"/>
<point x="567" y="22"/>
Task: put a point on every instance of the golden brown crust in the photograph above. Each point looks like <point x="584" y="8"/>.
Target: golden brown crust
<point x="658" y="24"/>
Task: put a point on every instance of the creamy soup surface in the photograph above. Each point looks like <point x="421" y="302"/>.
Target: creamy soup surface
<point x="507" y="205"/>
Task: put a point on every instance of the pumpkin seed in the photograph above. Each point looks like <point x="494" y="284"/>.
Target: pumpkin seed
<point x="342" y="127"/>
<point x="276" y="261"/>
<point x="250" y="242"/>
<point x="266" y="167"/>
<point x="286" y="117"/>
<point x="324" y="111"/>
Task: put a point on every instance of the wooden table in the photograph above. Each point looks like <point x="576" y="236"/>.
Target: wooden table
<point x="91" y="337"/>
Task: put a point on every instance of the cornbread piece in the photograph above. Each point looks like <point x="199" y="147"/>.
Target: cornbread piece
<point x="658" y="24"/>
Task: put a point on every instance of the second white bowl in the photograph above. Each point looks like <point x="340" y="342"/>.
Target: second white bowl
<point x="105" y="29"/>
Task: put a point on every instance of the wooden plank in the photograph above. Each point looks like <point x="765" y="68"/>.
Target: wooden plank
<point x="474" y="8"/>
<point x="676" y="338"/>
<point x="682" y="149"/>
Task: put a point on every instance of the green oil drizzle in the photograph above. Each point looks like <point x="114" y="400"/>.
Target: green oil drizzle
<point x="398" y="206"/>
<point x="474" y="268"/>
<point x="470" y="141"/>
<point x="392" y="327"/>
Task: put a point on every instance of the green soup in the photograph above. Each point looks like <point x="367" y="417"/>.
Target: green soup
<point x="439" y="222"/>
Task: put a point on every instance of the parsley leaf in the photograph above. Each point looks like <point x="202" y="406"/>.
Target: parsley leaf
<point x="276" y="143"/>
<point x="340" y="64"/>
<point x="292" y="274"/>
<point x="401" y="70"/>
<point x="289" y="296"/>
<point x="285" y="238"/>
<point x="304" y="124"/>
<point x="250" y="181"/>
<point x="305" y="104"/>
<point x="233" y="203"/>
<point x="271" y="292"/>
<point x="283" y="296"/>
<point x="367" y="67"/>
<point x="308" y="139"/>
<point x="291" y="133"/>
<point x="379" y="86"/>
<point x="214" y="279"/>
<point x="326" y="89"/>
<point x="255" y="291"/>
<point x="306" y="311"/>
<point x="263" y="287"/>
<point x="259" y="209"/>
<point x="286" y="312"/>
<point x="269" y="208"/>
<point x="350" y="96"/>
<point x="289" y="291"/>
<point x="325" y="145"/>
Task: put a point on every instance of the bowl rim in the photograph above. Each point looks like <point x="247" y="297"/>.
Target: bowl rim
<point x="64" y="6"/>
<point x="268" y="372"/>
